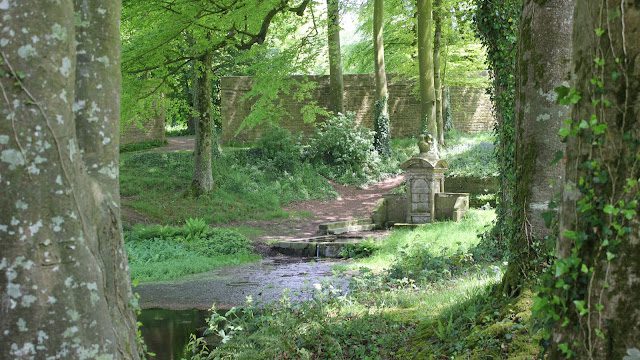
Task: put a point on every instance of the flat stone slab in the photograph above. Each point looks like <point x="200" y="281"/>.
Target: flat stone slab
<point x="406" y="226"/>
<point x="320" y="246"/>
<point x="345" y="226"/>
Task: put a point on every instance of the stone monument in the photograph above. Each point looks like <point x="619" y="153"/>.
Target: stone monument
<point x="425" y="179"/>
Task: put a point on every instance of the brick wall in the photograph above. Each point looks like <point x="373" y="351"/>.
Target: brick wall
<point x="471" y="107"/>
<point x="150" y="129"/>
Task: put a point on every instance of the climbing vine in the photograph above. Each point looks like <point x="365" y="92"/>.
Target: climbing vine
<point x="497" y="28"/>
<point x="381" y="128"/>
<point x="602" y="197"/>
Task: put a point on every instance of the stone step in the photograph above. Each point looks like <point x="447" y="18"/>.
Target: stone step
<point x="340" y="227"/>
<point x="352" y="228"/>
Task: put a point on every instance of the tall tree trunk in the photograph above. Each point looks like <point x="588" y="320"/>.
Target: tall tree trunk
<point x="65" y="282"/>
<point x="335" y="57"/>
<point x="381" y="125"/>
<point x="203" y="175"/>
<point x="599" y="246"/>
<point x="437" y="78"/>
<point x="426" y="68"/>
<point x="544" y="60"/>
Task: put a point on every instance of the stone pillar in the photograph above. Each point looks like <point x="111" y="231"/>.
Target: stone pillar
<point x="425" y="178"/>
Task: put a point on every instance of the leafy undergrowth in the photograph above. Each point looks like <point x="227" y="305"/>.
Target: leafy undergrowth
<point x="468" y="155"/>
<point x="439" y="309"/>
<point x="168" y="252"/>
<point x="374" y="321"/>
<point x="145" y="145"/>
<point x="481" y="327"/>
<point x="155" y="185"/>
<point x="433" y="250"/>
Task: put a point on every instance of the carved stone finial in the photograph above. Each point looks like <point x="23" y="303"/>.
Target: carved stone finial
<point x="427" y="147"/>
<point x="425" y="143"/>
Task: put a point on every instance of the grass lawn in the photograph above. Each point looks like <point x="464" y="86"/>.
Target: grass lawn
<point x="167" y="252"/>
<point x="470" y="155"/>
<point x="421" y="294"/>
<point x="155" y="185"/>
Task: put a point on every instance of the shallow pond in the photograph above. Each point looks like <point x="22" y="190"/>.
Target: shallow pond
<point x="166" y="332"/>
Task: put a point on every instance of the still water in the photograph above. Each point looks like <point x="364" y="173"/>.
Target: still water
<point x="166" y="332"/>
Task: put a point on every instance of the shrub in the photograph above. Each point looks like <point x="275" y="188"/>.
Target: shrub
<point x="165" y="252"/>
<point x="344" y="150"/>
<point x="278" y="150"/>
<point x="359" y="250"/>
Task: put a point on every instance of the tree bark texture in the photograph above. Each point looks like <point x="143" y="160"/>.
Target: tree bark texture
<point x="335" y="57"/>
<point x="66" y="291"/>
<point x="544" y="63"/>
<point x="437" y="77"/>
<point x="600" y="199"/>
<point x="426" y="68"/>
<point x="202" y="101"/>
<point x="382" y="128"/>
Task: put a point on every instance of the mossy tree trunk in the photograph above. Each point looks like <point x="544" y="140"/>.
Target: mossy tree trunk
<point x="202" y="101"/>
<point x="381" y="121"/>
<point x="599" y="247"/>
<point x="335" y="57"/>
<point x="544" y="60"/>
<point x="426" y="68"/>
<point x="65" y="285"/>
<point x="437" y="77"/>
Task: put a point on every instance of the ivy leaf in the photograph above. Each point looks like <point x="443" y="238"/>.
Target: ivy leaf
<point x="567" y="96"/>
<point x="585" y="269"/>
<point x="599" y="32"/>
<point x="610" y="256"/>
<point x="609" y="209"/>
<point x="581" y="307"/>
<point x="557" y="157"/>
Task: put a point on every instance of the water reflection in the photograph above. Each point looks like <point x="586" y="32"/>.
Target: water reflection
<point x="166" y="332"/>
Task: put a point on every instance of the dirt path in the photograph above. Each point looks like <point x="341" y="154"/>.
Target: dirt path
<point x="180" y="143"/>
<point x="352" y="203"/>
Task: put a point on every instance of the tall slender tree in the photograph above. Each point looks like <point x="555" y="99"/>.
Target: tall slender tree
<point x="65" y="285"/>
<point x="437" y="77"/>
<point x="159" y="28"/>
<point x="426" y="67"/>
<point x="381" y="121"/>
<point x="335" y="57"/>
<point x="543" y="65"/>
<point x="599" y="246"/>
<point x="204" y="127"/>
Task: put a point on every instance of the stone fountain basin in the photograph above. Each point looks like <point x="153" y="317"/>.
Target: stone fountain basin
<point x="319" y="246"/>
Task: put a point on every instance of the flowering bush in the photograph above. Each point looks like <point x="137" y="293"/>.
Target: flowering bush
<point x="344" y="150"/>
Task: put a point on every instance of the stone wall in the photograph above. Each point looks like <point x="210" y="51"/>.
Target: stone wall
<point x="151" y="129"/>
<point x="471" y="107"/>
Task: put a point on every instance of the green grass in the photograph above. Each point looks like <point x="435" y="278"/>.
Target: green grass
<point x="391" y="317"/>
<point x="469" y="155"/>
<point x="440" y="239"/>
<point x="168" y="252"/>
<point x="155" y="185"/>
<point x="375" y="321"/>
<point x="145" y="145"/>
